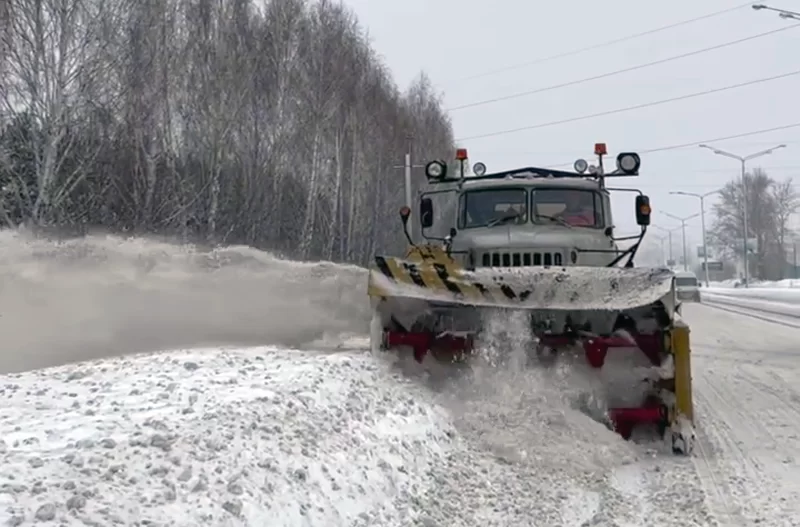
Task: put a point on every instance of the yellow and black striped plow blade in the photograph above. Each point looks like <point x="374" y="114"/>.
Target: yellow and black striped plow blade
<point x="550" y="288"/>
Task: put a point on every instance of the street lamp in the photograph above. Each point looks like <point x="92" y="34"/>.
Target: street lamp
<point x="669" y="234"/>
<point x="683" y="228"/>
<point x="702" y="222"/>
<point x="662" y="239"/>
<point x="783" y="13"/>
<point x="743" y="160"/>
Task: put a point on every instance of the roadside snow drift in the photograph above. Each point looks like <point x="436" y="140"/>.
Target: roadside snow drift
<point x="285" y="438"/>
<point x="256" y="437"/>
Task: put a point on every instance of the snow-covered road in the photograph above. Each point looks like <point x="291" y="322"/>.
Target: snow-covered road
<point x="747" y="396"/>
<point x="326" y="434"/>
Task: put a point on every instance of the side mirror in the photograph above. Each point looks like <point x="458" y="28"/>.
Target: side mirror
<point x="453" y="232"/>
<point x="426" y="213"/>
<point x="643" y="210"/>
<point x="609" y="231"/>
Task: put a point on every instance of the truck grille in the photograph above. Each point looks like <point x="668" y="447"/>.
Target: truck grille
<point x="521" y="259"/>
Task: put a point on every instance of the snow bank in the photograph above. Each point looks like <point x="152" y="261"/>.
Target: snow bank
<point x="786" y="296"/>
<point x="89" y="297"/>
<point x="779" y="284"/>
<point x="217" y="437"/>
<point x="256" y="437"/>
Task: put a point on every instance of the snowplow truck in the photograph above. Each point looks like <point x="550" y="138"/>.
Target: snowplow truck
<point x="541" y="241"/>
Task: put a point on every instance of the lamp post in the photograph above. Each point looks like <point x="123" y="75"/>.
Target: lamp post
<point x="743" y="160"/>
<point x="702" y="198"/>
<point x="783" y="13"/>
<point x="683" y="228"/>
<point x="669" y="235"/>
<point x="662" y="239"/>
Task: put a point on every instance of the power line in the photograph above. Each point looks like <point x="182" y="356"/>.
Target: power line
<point x="617" y="72"/>
<point x="604" y="44"/>
<point x="740" y="145"/>
<point x="737" y="136"/>
<point x="695" y="143"/>
<point x="631" y="108"/>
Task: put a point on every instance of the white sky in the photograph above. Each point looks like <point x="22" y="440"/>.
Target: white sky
<point x="454" y="39"/>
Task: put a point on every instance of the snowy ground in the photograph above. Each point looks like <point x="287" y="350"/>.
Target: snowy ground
<point x="782" y="302"/>
<point x="336" y="436"/>
<point x="274" y="437"/>
<point x="789" y="283"/>
<point x="262" y="437"/>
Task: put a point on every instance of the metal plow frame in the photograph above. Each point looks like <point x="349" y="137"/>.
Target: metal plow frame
<point x="429" y="277"/>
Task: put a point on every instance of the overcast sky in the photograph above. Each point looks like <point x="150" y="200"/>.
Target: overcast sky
<point x="453" y="40"/>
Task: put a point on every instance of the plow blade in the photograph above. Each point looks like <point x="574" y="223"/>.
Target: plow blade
<point x="429" y="304"/>
<point x="553" y="289"/>
<point x="442" y="296"/>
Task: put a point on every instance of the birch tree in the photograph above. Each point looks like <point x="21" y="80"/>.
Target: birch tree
<point x="50" y="47"/>
<point x="273" y="124"/>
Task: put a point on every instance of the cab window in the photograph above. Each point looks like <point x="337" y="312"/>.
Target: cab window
<point x="507" y="206"/>
<point x="685" y="281"/>
<point x="576" y="207"/>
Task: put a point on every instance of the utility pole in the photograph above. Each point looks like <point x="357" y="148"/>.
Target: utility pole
<point x="702" y="223"/>
<point x="683" y="228"/>
<point x="407" y="166"/>
<point x="743" y="160"/>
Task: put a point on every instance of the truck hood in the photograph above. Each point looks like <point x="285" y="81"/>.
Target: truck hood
<point x="512" y="237"/>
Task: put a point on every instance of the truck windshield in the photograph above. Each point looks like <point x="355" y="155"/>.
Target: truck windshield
<point x="576" y="207"/>
<point x="487" y="207"/>
<point x="685" y="281"/>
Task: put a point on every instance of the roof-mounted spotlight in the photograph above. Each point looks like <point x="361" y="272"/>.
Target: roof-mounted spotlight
<point x="629" y="163"/>
<point x="436" y="170"/>
<point x="479" y="169"/>
<point x="580" y="166"/>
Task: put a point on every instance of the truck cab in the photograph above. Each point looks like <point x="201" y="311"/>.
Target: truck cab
<point x="523" y="222"/>
<point x="526" y="217"/>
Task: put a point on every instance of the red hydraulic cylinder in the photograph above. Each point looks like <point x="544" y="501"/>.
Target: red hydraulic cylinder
<point x="625" y="419"/>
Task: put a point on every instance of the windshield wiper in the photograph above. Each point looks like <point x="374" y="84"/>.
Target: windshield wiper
<point x="555" y="219"/>
<point x="503" y="219"/>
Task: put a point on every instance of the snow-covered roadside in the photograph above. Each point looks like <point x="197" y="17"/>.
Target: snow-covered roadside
<point x="788" y="283"/>
<point x="217" y="437"/>
<point x="779" y="301"/>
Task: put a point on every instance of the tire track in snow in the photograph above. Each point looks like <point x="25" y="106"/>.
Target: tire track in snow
<point x="711" y="440"/>
<point x="748" y="479"/>
<point x="790" y="412"/>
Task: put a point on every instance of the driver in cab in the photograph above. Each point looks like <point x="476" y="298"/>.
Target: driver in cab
<point x="579" y="211"/>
